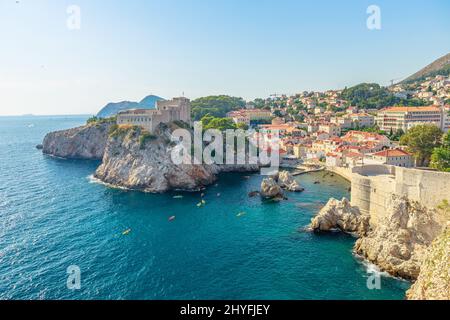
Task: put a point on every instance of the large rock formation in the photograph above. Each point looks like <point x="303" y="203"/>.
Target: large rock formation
<point x="287" y="182"/>
<point x="134" y="159"/>
<point x="340" y="215"/>
<point x="141" y="161"/>
<point x="433" y="282"/>
<point x="145" y="164"/>
<point x="86" y="142"/>
<point x="400" y="240"/>
<point x="270" y="189"/>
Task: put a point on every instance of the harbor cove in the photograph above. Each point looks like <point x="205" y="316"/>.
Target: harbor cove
<point x="54" y="214"/>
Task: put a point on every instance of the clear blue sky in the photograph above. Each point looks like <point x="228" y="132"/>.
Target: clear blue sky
<point x="126" y="50"/>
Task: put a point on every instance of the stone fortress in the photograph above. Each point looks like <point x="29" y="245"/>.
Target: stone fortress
<point x="177" y="109"/>
<point x="374" y="185"/>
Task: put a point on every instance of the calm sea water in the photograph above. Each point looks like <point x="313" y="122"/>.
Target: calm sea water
<point x="52" y="216"/>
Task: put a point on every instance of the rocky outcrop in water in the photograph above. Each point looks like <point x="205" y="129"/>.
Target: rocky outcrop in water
<point x="342" y="216"/>
<point x="270" y="189"/>
<point x="86" y="142"/>
<point x="286" y="181"/>
<point x="433" y="282"/>
<point x="141" y="161"/>
<point x="399" y="242"/>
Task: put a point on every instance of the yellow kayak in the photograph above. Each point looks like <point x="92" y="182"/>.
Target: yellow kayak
<point x="201" y="203"/>
<point x="126" y="232"/>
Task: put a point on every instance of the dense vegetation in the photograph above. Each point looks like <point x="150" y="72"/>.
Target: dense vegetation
<point x="217" y="106"/>
<point x="373" y="96"/>
<point x="440" y="158"/>
<point x="421" y="141"/>
<point x="97" y="120"/>
<point x="222" y="124"/>
<point x="145" y="137"/>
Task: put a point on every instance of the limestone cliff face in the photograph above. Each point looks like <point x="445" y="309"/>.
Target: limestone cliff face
<point x="434" y="278"/>
<point x="400" y="240"/>
<point x="145" y="164"/>
<point x="400" y="243"/>
<point x="86" y="142"/>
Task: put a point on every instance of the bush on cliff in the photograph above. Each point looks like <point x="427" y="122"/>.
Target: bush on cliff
<point x="145" y="137"/>
<point x="120" y="130"/>
<point x="96" y="120"/>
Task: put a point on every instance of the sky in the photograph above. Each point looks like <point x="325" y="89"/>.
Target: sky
<point x="126" y="50"/>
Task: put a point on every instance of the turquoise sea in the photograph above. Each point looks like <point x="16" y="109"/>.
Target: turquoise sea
<point x="52" y="216"/>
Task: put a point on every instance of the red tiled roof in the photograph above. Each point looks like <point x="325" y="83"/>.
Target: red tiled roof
<point x="411" y="109"/>
<point x="392" y="153"/>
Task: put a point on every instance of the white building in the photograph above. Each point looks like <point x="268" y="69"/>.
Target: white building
<point x="403" y="118"/>
<point x="362" y="120"/>
<point x="393" y="157"/>
<point x="331" y="129"/>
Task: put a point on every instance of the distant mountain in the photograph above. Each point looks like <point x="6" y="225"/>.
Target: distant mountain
<point x="111" y="109"/>
<point x="149" y="102"/>
<point x="439" y="67"/>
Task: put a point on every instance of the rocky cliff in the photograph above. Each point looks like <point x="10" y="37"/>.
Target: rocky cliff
<point x="86" y="142"/>
<point x="399" y="242"/>
<point x="433" y="282"/>
<point x="142" y="161"/>
<point x="133" y="158"/>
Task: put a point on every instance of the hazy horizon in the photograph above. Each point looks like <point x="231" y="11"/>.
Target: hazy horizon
<point x="128" y="50"/>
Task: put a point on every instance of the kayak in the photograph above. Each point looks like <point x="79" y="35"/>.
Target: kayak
<point x="126" y="232"/>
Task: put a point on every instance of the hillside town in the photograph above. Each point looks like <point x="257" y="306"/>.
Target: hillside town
<point x="320" y="128"/>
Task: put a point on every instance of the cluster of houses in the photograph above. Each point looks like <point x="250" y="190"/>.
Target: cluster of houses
<point x="302" y="146"/>
<point x="338" y="140"/>
<point x="435" y="90"/>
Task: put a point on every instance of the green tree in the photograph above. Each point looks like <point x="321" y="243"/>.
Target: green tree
<point x="440" y="159"/>
<point x="242" y="126"/>
<point x="277" y="113"/>
<point x="222" y="124"/>
<point x="421" y="140"/>
<point x="217" y="106"/>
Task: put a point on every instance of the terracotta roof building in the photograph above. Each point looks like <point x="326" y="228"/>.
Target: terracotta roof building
<point x="404" y="118"/>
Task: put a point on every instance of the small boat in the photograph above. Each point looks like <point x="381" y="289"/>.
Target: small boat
<point x="172" y="218"/>
<point x="126" y="232"/>
<point x="201" y="203"/>
<point x="178" y="197"/>
<point x="240" y="214"/>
